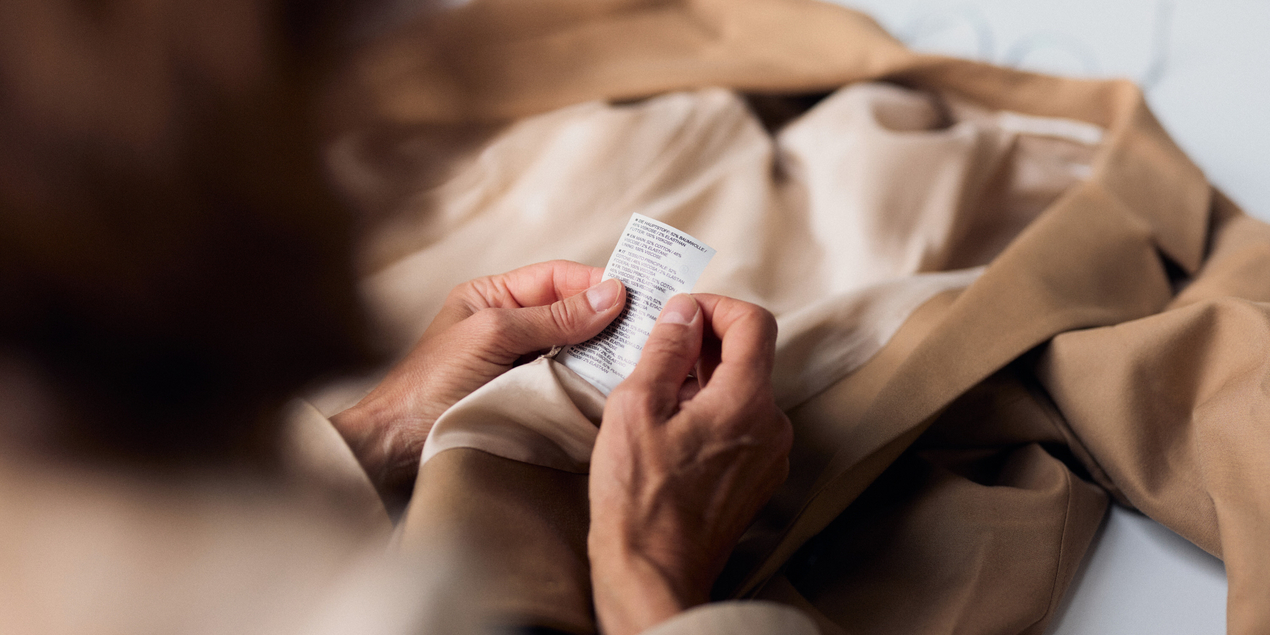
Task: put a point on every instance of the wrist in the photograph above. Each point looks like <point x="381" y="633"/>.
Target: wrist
<point x="633" y="593"/>
<point x="387" y="439"/>
<point x="365" y="428"/>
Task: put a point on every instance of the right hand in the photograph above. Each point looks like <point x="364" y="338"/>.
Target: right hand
<point x="681" y="465"/>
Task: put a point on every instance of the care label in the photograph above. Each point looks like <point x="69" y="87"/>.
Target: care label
<point x="655" y="261"/>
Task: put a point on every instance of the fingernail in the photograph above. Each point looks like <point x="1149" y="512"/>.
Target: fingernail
<point x="681" y="309"/>
<point x="602" y="296"/>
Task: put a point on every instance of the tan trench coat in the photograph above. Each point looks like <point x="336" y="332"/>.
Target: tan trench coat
<point x="949" y="478"/>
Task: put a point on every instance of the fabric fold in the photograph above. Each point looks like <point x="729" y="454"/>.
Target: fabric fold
<point x="540" y="413"/>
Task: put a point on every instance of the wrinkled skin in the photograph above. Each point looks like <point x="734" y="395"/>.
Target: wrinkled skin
<point x="485" y="326"/>
<point x="682" y="464"/>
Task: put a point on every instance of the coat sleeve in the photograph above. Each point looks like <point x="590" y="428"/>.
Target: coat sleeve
<point x="317" y="459"/>
<point x="738" y="617"/>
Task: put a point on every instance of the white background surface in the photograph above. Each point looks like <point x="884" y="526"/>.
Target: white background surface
<point x="1205" y="68"/>
<point x="1142" y="578"/>
<point x="1204" y="64"/>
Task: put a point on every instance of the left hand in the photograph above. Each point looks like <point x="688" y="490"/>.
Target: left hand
<point x="485" y="326"/>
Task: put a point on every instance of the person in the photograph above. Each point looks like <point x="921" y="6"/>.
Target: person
<point x="173" y="268"/>
<point x="682" y="461"/>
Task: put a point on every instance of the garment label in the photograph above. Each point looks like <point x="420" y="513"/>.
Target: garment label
<point x="655" y="261"/>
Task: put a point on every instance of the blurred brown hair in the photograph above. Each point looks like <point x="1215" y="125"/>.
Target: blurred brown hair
<point x="169" y="251"/>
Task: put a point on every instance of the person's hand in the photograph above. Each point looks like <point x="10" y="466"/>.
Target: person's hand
<point x="485" y="326"/>
<point x="682" y="464"/>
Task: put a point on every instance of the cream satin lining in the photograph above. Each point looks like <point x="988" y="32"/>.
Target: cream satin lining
<point x="540" y="413"/>
<point x="544" y="414"/>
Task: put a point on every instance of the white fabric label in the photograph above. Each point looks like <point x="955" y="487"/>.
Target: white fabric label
<point x="655" y="261"/>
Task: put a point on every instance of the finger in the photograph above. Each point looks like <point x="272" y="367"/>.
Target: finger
<point x="533" y="285"/>
<point x="746" y="343"/>
<point x="670" y="352"/>
<point x="515" y="332"/>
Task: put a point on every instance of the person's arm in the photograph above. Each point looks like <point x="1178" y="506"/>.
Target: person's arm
<point x="485" y="326"/>
<point x="682" y="464"/>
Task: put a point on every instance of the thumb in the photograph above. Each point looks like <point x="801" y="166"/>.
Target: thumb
<point x="671" y="351"/>
<point x="569" y="321"/>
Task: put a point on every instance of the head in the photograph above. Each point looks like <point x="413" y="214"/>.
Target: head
<point x="171" y="260"/>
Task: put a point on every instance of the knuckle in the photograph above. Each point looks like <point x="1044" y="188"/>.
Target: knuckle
<point x="461" y="296"/>
<point x="761" y="418"/>
<point x="490" y="319"/>
<point x="463" y="289"/>
<point x="622" y="396"/>
<point x="475" y="286"/>
<point x="475" y="295"/>
<point x="563" y="316"/>
<point x="770" y="326"/>
<point x="488" y="334"/>
<point x="619" y="393"/>
<point x="667" y="345"/>
<point x="752" y="311"/>
<point x="765" y="320"/>
<point x="492" y="325"/>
